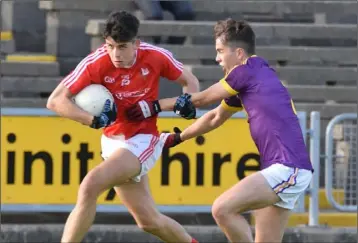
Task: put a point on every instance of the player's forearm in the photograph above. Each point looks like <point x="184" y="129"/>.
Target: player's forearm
<point x="211" y="95"/>
<point x="208" y="122"/>
<point x="167" y="104"/>
<point x="191" y="86"/>
<point x="64" y="107"/>
<point x="198" y="99"/>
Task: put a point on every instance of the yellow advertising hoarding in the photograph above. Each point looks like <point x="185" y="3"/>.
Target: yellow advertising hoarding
<point x="43" y="160"/>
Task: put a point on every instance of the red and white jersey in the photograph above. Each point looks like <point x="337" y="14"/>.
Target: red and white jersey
<point x="127" y="85"/>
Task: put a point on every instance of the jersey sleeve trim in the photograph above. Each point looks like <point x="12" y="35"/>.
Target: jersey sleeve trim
<point x="230" y="108"/>
<point x="166" y="53"/>
<point x="293" y="107"/>
<point x="82" y="66"/>
<point x="227" y="87"/>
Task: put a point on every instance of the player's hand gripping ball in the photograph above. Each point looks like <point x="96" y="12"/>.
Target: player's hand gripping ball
<point x="107" y="116"/>
<point x="184" y="107"/>
<point x="99" y="102"/>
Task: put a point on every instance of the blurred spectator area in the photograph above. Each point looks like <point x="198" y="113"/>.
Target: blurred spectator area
<point x="312" y="45"/>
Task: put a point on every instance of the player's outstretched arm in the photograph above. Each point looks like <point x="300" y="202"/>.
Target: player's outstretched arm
<point x="211" y="95"/>
<point x="183" y="105"/>
<point x="60" y="101"/>
<point x="145" y="108"/>
<point x="208" y="122"/>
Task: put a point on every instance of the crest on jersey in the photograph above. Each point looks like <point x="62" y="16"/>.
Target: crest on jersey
<point x="125" y="80"/>
<point x="109" y="79"/>
<point x="145" y="71"/>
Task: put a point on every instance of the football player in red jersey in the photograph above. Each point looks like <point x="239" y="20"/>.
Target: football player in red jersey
<point x="130" y="70"/>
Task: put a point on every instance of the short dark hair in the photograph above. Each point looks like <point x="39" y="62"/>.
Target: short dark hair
<point x="236" y="33"/>
<point x="122" y="26"/>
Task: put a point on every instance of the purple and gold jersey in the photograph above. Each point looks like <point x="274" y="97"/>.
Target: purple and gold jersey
<point x="272" y="118"/>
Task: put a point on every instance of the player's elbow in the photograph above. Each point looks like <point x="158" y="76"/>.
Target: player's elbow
<point x="54" y="102"/>
<point x="58" y="98"/>
<point x="192" y="85"/>
<point x="216" y="119"/>
<point x="189" y="82"/>
<point x="51" y="104"/>
<point x="215" y="123"/>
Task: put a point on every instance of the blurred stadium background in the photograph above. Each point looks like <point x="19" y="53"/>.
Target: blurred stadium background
<point x="311" y="44"/>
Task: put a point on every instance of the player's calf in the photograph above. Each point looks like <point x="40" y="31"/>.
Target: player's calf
<point x="151" y="221"/>
<point x="168" y="230"/>
<point x="137" y="198"/>
<point x="150" y="225"/>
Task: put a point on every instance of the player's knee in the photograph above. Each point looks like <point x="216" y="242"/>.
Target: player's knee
<point x="89" y="189"/>
<point x="151" y="225"/>
<point x="220" y="212"/>
<point x="85" y="194"/>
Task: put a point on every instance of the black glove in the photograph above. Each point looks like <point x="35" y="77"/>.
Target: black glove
<point x="173" y="139"/>
<point x="142" y="110"/>
<point x="184" y="107"/>
<point x="107" y="117"/>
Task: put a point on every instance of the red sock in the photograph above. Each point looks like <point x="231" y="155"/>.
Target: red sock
<point x="194" y="241"/>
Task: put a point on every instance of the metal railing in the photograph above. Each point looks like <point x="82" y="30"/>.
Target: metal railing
<point x="341" y="162"/>
<point x="315" y="131"/>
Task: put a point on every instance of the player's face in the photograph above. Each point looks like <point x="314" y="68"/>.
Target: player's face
<point x="227" y="56"/>
<point x="122" y="54"/>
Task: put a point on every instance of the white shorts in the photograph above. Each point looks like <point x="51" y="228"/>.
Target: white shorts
<point x="287" y="182"/>
<point x="146" y="147"/>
